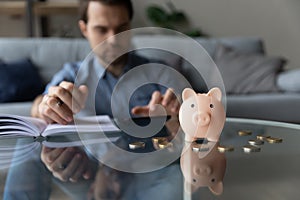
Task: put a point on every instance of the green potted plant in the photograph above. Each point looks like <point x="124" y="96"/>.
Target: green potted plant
<point x="171" y="19"/>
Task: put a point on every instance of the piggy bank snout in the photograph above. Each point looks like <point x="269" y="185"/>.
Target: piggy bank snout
<point x="203" y="170"/>
<point x="201" y="118"/>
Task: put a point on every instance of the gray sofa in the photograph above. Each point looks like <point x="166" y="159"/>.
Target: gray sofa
<point x="49" y="54"/>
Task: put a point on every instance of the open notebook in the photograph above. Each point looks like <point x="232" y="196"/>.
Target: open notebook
<point x="20" y="136"/>
<point x="92" y="129"/>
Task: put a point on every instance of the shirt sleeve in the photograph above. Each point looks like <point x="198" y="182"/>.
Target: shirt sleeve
<point x="67" y="73"/>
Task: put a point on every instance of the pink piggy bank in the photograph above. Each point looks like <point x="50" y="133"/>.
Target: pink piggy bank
<point x="202" y="115"/>
<point x="199" y="171"/>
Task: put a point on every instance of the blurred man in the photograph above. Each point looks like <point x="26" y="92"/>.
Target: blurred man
<point x="100" y="21"/>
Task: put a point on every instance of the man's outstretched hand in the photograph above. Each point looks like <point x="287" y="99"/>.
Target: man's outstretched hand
<point x="168" y="101"/>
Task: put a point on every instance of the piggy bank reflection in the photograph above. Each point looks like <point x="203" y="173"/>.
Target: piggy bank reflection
<point x="203" y="166"/>
<point x="202" y="115"/>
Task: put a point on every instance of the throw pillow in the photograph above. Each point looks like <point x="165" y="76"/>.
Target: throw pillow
<point x="289" y="81"/>
<point x="245" y="73"/>
<point x="19" y="81"/>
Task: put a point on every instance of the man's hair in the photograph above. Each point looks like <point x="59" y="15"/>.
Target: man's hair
<point x="85" y="3"/>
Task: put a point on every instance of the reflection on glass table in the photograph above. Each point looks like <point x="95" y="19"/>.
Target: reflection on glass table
<point x="203" y="166"/>
<point x="270" y="171"/>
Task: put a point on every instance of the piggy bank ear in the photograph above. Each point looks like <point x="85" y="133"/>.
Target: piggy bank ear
<point x="215" y="92"/>
<point x="217" y="189"/>
<point x="188" y="92"/>
<point x="189" y="188"/>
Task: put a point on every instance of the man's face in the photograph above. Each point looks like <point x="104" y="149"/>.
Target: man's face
<point x="105" y="21"/>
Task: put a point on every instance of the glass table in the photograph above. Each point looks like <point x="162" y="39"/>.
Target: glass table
<point x="268" y="171"/>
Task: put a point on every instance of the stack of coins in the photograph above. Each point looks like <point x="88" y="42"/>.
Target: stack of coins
<point x="269" y="139"/>
<point x="251" y="149"/>
<point x="137" y="145"/>
<point x="165" y="144"/>
<point x="157" y="140"/>
<point x="161" y="143"/>
<point x="256" y="142"/>
<point x="262" y="137"/>
<point x="199" y="147"/>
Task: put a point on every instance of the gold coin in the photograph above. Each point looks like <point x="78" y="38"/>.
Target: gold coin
<point x="262" y="137"/>
<point x="164" y="144"/>
<point x="137" y="145"/>
<point x="223" y="149"/>
<point x="272" y="140"/>
<point x="199" y="148"/>
<point x="159" y="139"/>
<point x="256" y="142"/>
<point x="250" y="149"/>
<point x="196" y="147"/>
<point x="244" y="133"/>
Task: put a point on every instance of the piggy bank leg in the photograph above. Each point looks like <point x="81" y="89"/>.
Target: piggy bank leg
<point x="189" y="188"/>
<point x="217" y="189"/>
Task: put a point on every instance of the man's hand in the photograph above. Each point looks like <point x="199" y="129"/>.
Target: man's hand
<point x="168" y="101"/>
<point x="109" y="184"/>
<point x="61" y="102"/>
<point x="67" y="164"/>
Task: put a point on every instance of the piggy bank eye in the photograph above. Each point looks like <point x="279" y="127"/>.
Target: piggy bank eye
<point x="211" y="105"/>
<point x="213" y="180"/>
<point x="192" y="105"/>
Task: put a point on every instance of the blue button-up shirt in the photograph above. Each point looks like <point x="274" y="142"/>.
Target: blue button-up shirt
<point x="102" y="84"/>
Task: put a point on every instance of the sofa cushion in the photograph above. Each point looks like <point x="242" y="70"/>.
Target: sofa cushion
<point x="241" y="44"/>
<point x="282" y="107"/>
<point x="19" y="81"/>
<point x="289" y="81"/>
<point x="247" y="72"/>
<point x="48" y="54"/>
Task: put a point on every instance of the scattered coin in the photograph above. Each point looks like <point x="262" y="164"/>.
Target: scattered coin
<point x="159" y="139"/>
<point x="250" y="149"/>
<point x="164" y="144"/>
<point x="223" y="149"/>
<point x="199" y="148"/>
<point x="196" y="147"/>
<point x="262" y="137"/>
<point x="137" y="145"/>
<point x="244" y="133"/>
<point x="273" y="140"/>
<point x="256" y="142"/>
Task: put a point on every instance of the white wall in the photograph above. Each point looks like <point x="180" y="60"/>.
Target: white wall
<point x="12" y="26"/>
<point x="276" y="21"/>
